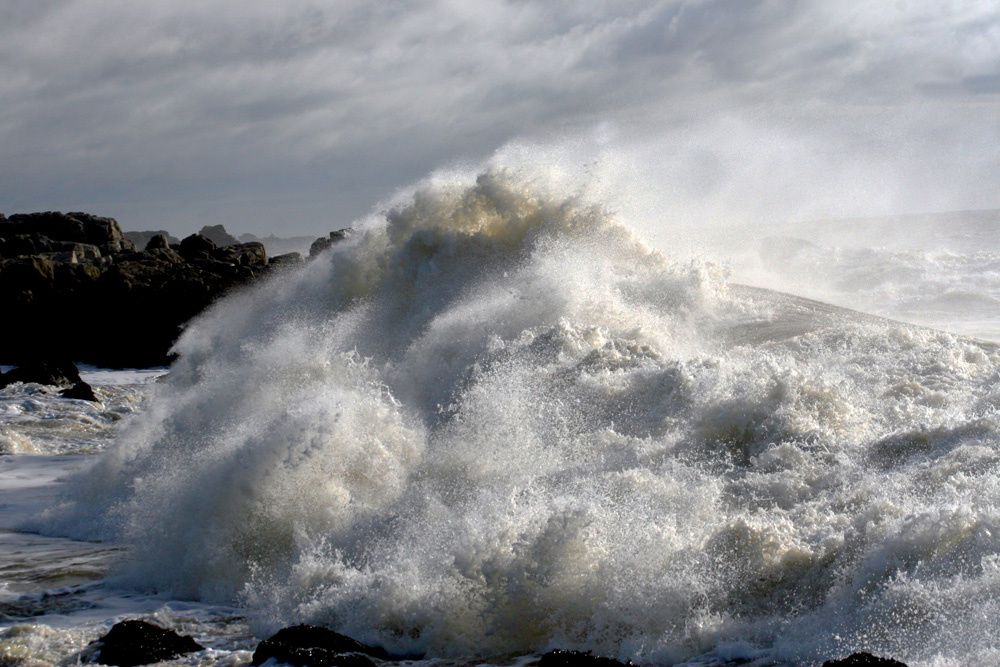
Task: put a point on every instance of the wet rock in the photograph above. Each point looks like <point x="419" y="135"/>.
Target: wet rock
<point x="863" y="660"/>
<point x="56" y="373"/>
<point x="313" y="646"/>
<point x="80" y="390"/>
<point x="287" y="259"/>
<point x="135" y="642"/>
<point x="322" y="243"/>
<point x="564" y="658"/>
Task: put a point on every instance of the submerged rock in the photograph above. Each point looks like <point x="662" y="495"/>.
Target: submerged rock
<point x="864" y="660"/>
<point x="81" y="390"/>
<point x="565" y="658"/>
<point x="57" y="373"/>
<point x="313" y="646"/>
<point x="135" y="642"/>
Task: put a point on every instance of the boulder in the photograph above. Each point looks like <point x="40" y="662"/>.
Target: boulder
<point x="565" y="658"/>
<point x="313" y="646"/>
<point x="324" y="242"/>
<point x="288" y="259"/>
<point x="218" y="235"/>
<point x="81" y="391"/>
<point x="140" y="239"/>
<point x="135" y="642"/>
<point x="57" y="373"/>
<point x="75" y="227"/>
<point x="158" y="242"/>
<point x="196" y="246"/>
<point x="863" y="659"/>
<point x="244" y="254"/>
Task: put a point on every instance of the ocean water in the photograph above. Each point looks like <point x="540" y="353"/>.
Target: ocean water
<point x="497" y="421"/>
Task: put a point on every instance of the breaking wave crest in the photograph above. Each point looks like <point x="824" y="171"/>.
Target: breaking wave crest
<point x="496" y="422"/>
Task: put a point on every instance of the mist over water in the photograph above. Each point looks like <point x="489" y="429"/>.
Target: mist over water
<point x="496" y="421"/>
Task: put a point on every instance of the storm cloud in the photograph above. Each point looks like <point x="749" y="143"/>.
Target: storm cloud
<point x="295" y="117"/>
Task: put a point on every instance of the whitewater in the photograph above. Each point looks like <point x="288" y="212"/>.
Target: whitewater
<point x="496" y="421"/>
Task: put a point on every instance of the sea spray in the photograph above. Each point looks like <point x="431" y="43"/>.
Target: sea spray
<point x="496" y="422"/>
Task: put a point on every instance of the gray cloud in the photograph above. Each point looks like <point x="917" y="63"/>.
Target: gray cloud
<point x="296" y="116"/>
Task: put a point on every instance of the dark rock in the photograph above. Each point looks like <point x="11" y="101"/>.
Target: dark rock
<point x="57" y="373"/>
<point x="141" y="239"/>
<point x="863" y="659"/>
<point x="135" y="642"/>
<point x="81" y="390"/>
<point x="322" y="243"/>
<point x="319" y="245"/>
<point x="195" y="246"/>
<point x="158" y="242"/>
<point x="288" y="259"/>
<point x="564" y="658"/>
<point x="73" y="227"/>
<point x="313" y="646"/>
<point x="244" y="254"/>
<point x="134" y="303"/>
<point x="218" y="235"/>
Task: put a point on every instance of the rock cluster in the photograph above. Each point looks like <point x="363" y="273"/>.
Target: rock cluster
<point x="135" y="642"/>
<point x="72" y="286"/>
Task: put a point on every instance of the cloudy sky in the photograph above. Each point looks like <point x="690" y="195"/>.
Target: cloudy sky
<point x="295" y="117"/>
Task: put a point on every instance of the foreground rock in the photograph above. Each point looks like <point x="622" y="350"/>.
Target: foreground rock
<point x="313" y="646"/>
<point x="134" y="642"/>
<point x="564" y="658"/>
<point x="55" y="373"/>
<point x="863" y="660"/>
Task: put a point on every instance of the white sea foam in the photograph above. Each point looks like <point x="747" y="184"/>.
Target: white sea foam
<point x="497" y="422"/>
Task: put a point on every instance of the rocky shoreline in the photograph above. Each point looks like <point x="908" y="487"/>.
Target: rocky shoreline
<point x="74" y="286"/>
<point x="136" y="642"/>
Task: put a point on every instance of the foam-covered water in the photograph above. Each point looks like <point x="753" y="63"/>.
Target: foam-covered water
<point x="496" y="422"/>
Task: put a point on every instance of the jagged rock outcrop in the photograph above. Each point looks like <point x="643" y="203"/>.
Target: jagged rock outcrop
<point x="89" y="295"/>
<point x="324" y="242"/>
<point x="62" y="229"/>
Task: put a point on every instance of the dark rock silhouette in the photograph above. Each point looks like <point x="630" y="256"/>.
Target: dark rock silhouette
<point x="565" y="658"/>
<point x="863" y="660"/>
<point x="140" y="239"/>
<point x="313" y="646"/>
<point x="75" y="287"/>
<point x="133" y="642"/>
<point x="324" y="242"/>
<point x="218" y="235"/>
